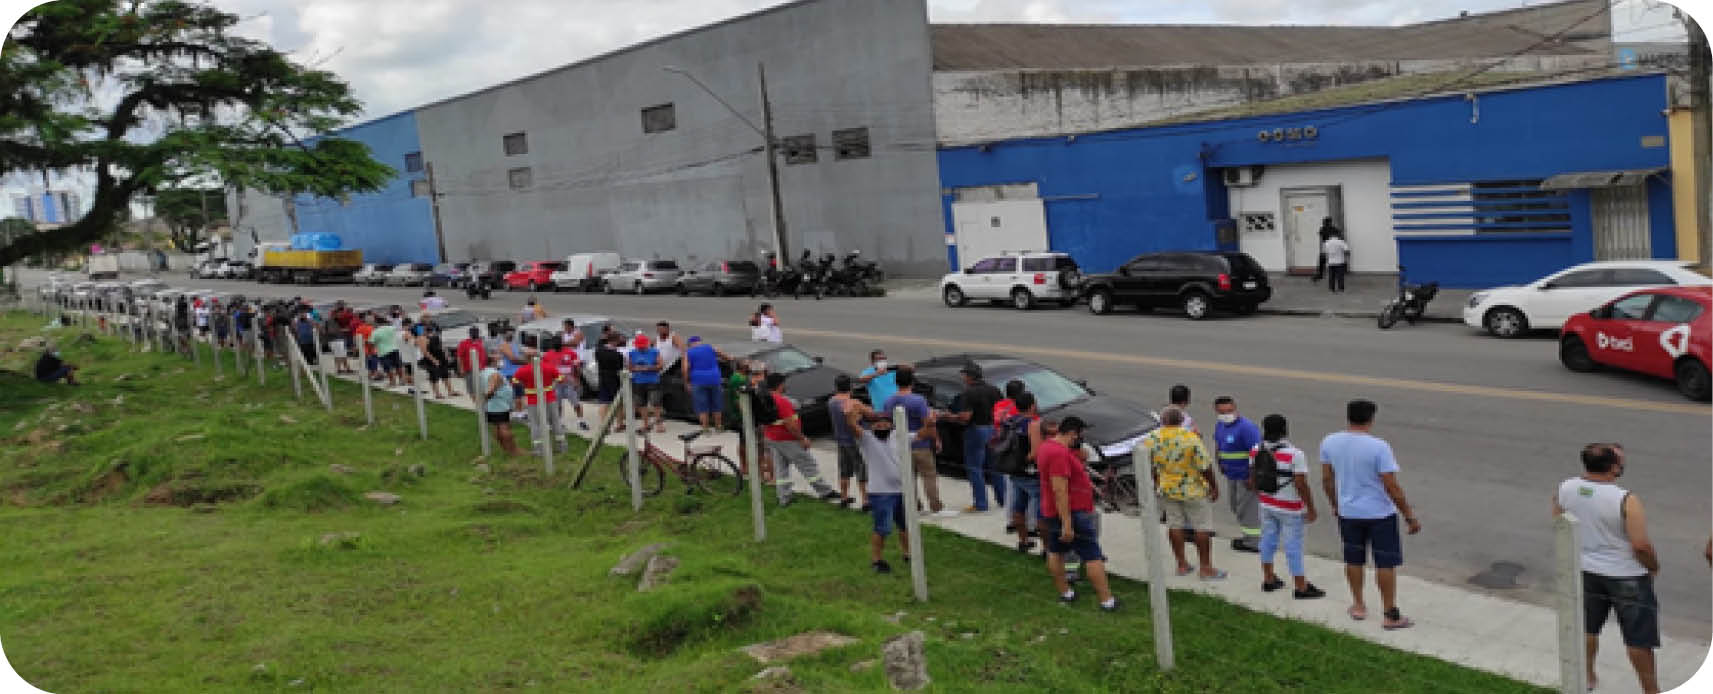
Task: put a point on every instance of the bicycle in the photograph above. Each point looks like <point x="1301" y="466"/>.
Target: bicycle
<point x="705" y="471"/>
<point x="1115" y="487"/>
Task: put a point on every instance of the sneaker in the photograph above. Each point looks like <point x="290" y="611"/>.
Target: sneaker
<point x="1110" y="606"/>
<point x="583" y="425"/>
<point x="1025" y="546"/>
<point x="881" y="567"/>
<point x="1068" y="597"/>
<point x="1270" y="586"/>
<point x="866" y="507"/>
<point x="1245" y="544"/>
<point x="1010" y="528"/>
<point x="829" y="495"/>
<point x="945" y="513"/>
<point x="1309" y="593"/>
<point x="972" y="509"/>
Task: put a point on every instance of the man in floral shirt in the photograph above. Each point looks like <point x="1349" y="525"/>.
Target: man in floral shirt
<point x="1183" y="478"/>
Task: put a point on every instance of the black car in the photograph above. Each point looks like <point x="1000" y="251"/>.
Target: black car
<point x="1196" y="281"/>
<point x="808" y="382"/>
<point x="491" y="272"/>
<point x="448" y="275"/>
<point x="1114" y="424"/>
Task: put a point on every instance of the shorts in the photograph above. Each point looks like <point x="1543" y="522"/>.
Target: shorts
<point x="499" y="417"/>
<point x="58" y="374"/>
<point x="647" y="394"/>
<point x="706" y="399"/>
<point x="887" y="511"/>
<point x="1358" y="534"/>
<point x="517" y="390"/>
<point x="337" y="347"/>
<point x="1193" y="514"/>
<point x="607" y="392"/>
<point x="1632" y="597"/>
<point x="851" y="463"/>
<point x="202" y="329"/>
<point x="391" y="362"/>
<point x="1085" y="537"/>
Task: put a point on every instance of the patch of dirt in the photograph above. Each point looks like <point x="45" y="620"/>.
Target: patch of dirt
<point x="186" y="493"/>
<point x="109" y="483"/>
<point x="806" y="643"/>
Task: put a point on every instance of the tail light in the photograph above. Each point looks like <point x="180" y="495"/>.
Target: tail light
<point x="1224" y="282"/>
<point x="1040" y="278"/>
<point x="725" y="267"/>
<point x="648" y="275"/>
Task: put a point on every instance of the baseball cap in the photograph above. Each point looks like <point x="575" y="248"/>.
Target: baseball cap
<point x="693" y="340"/>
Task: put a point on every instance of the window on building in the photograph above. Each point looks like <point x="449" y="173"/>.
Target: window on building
<point x="515" y="144"/>
<point x="799" y="149"/>
<point x="419" y="188"/>
<point x="1519" y="206"/>
<point x="659" y="119"/>
<point x="520" y="178"/>
<point x="851" y="143"/>
<point x="1257" y="222"/>
<point x="413" y="162"/>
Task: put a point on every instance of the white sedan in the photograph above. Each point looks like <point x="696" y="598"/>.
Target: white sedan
<point x="1547" y="302"/>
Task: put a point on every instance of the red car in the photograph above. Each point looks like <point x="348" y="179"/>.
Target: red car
<point x="533" y="275"/>
<point x="1660" y="332"/>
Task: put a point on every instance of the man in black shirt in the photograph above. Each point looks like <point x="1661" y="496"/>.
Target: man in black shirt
<point x="608" y="363"/>
<point x="977" y="414"/>
<point x="51" y="368"/>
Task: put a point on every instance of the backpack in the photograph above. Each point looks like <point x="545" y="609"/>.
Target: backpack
<point x="762" y="406"/>
<point x="1009" y="448"/>
<point x="1269" y="479"/>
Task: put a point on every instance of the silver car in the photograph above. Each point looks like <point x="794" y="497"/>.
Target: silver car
<point x="410" y="275"/>
<point x="372" y="274"/>
<point x="639" y="276"/>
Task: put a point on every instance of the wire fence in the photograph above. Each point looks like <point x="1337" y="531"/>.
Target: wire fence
<point x="254" y="347"/>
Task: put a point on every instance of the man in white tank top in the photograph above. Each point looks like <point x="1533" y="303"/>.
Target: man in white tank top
<point x="1618" y="562"/>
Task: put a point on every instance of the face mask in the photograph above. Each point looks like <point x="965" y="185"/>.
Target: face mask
<point x="880" y="365"/>
<point x="1227" y="418"/>
<point x="56" y="354"/>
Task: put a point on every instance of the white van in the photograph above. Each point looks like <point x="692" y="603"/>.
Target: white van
<point x="585" y="271"/>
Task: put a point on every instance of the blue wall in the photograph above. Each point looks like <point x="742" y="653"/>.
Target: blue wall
<point x="389" y="226"/>
<point x="1155" y="188"/>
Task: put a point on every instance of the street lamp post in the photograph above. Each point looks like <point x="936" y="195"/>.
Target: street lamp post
<point x="765" y="130"/>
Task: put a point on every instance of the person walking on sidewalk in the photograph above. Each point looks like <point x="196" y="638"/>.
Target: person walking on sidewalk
<point x="1337" y="262"/>
<point x="850" y="458"/>
<point x="789" y="446"/>
<point x="924" y="437"/>
<point x="1360" y="477"/>
<point x="1068" y="518"/>
<point x="1279" y="476"/>
<point x="1618" y="562"/>
<point x="1184" y="482"/>
<point x="978" y="400"/>
<point x="1233" y="437"/>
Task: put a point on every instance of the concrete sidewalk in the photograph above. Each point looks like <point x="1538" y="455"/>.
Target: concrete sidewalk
<point x="1363" y="297"/>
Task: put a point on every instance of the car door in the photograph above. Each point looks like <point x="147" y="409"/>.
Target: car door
<point x="1575" y="291"/>
<point x="1005" y="275"/>
<point x="1149" y="277"/>
<point x="1664" y="336"/>
<point x="976" y="284"/>
<point x="1615" y="334"/>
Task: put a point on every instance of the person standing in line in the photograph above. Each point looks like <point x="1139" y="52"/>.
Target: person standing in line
<point x="1025" y="489"/>
<point x="978" y="400"/>
<point x="364" y="334"/>
<point x="645" y="365"/>
<point x="494" y="396"/>
<point x="608" y="364"/>
<point x="845" y="437"/>
<point x="346" y="321"/>
<point x="924" y="438"/>
<point x="701" y="368"/>
<point x="203" y="309"/>
<point x="879" y="377"/>
<point x="572" y="336"/>
<point x="1179" y="396"/>
<point x="670" y="344"/>
<point x="1068" y="519"/>
<point x="545" y="426"/>
<point x="569" y="363"/>
<point x="303" y="330"/>
<point x="220" y="321"/>
<point x="1286" y="505"/>
<point x="1360" y="477"/>
<point x="1619" y="563"/>
<point x="1233" y="437"/>
<point x="385" y="339"/>
<point x="790" y="447"/>
<point x="1337" y="262"/>
<point x="747" y="376"/>
<point x="1327" y="231"/>
<point x="884" y="491"/>
<point x="435" y="363"/>
<point x="1184" y="482"/>
<point x="473" y="363"/>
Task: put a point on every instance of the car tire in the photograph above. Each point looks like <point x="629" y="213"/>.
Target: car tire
<point x="1573" y="353"/>
<point x="719" y="289"/>
<point x="682" y="290"/>
<point x="1100" y="302"/>
<point x="607" y="287"/>
<point x="953" y="296"/>
<point x="1692" y="379"/>
<point x="638" y="289"/>
<point x="1197" y="305"/>
<point x="1021" y="299"/>
<point x="1505" y="322"/>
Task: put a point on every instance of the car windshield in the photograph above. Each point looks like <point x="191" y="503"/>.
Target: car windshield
<point x="455" y="319"/>
<point x="1051" y="390"/>
<point x="787" y="360"/>
<point x="740" y="266"/>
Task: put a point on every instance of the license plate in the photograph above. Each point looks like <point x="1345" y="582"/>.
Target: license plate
<point x="1248" y="285"/>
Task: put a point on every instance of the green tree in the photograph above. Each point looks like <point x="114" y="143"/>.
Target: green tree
<point x="189" y="212"/>
<point x="151" y="94"/>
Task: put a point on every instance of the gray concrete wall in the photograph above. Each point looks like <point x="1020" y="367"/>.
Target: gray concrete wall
<point x="700" y="191"/>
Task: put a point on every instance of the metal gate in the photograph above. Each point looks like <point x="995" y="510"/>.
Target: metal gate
<point x="1621" y="223"/>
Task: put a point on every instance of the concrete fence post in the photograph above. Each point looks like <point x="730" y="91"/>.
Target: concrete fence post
<point x="214" y="351"/>
<point x="1572" y="645"/>
<point x="900" y="440"/>
<point x="542" y="432"/>
<point x="746" y="419"/>
<point x="292" y="355"/>
<point x="478" y="396"/>
<point x="633" y="460"/>
<point x="256" y="348"/>
<point x="416" y="381"/>
<point x="1154" y="552"/>
<point x="363" y="378"/>
<point x="321" y="362"/>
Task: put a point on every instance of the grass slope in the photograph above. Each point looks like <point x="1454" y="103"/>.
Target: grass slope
<point x="166" y="533"/>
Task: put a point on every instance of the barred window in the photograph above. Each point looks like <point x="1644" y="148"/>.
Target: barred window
<point x="851" y="143"/>
<point x="515" y="144"/>
<point x="799" y="149"/>
<point x="520" y="178"/>
<point x="413" y="162"/>
<point x="659" y="119"/>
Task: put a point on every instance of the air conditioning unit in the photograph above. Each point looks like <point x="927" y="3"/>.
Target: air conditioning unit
<point x="1241" y="176"/>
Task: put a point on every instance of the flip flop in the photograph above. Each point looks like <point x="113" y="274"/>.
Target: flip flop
<point x="1357" y="614"/>
<point x="1217" y="576"/>
<point x="1186" y="572"/>
<point x="1396" y="620"/>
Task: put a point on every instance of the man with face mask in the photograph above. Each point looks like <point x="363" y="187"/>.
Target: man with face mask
<point x="1233" y="436"/>
<point x="880" y="378"/>
<point x="1068" y="517"/>
<point x="1618" y="562"/>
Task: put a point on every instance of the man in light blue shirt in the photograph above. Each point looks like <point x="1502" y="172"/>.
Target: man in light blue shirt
<point x="1359" y="475"/>
<point x="881" y="379"/>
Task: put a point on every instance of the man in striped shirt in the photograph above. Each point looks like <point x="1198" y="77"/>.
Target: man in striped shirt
<point x="1284" y="511"/>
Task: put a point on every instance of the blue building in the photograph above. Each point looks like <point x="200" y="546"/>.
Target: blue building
<point x="1471" y="189"/>
<point x="393" y="225"/>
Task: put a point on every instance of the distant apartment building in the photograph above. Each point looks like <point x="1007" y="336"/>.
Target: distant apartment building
<point x="47" y="207"/>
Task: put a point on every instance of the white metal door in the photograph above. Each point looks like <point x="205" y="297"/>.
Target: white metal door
<point x="1303" y="214"/>
<point x="988" y="228"/>
<point x="1621" y="223"/>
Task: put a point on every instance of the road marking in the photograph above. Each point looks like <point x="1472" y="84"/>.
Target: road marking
<point x="1249" y="370"/>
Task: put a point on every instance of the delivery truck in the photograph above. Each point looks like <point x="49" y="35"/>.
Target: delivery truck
<point x="103" y="267"/>
<point x="277" y="262"/>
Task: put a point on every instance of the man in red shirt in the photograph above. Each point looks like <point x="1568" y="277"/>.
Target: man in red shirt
<point x="473" y="343"/>
<point x="789" y="446"/>
<point x="540" y="431"/>
<point x="567" y="361"/>
<point x="1068" y="518"/>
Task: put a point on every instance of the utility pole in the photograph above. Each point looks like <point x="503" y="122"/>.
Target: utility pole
<point x="773" y="170"/>
<point x="1701" y="131"/>
<point x="434" y="202"/>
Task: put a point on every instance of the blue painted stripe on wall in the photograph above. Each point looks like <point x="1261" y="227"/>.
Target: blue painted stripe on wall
<point x="1555" y="203"/>
<point x="1445" y="193"/>
<point x="1485" y="225"/>
<point x="1467" y="214"/>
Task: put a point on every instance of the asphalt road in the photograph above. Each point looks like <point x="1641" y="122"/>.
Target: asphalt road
<point x="1484" y="429"/>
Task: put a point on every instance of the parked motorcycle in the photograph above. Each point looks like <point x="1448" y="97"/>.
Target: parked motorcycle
<point x="1410" y="304"/>
<point x="817" y="277"/>
<point x="477" y="290"/>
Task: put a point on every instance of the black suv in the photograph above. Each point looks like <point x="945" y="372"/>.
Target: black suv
<point x="1196" y="281"/>
<point x="491" y="273"/>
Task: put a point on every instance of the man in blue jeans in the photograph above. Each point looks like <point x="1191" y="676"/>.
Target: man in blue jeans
<point x="977" y="415"/>
<point x="701" y="364"/>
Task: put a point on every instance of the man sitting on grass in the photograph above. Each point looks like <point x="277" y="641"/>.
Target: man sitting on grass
<point x="50" y="368"/>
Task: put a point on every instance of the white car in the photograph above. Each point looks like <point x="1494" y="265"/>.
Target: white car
<point x="1023" y="279"/>
<point x="1547" y="302"/>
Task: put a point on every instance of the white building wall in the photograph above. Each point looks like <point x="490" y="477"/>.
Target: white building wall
<point x="1366" y="195"/>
